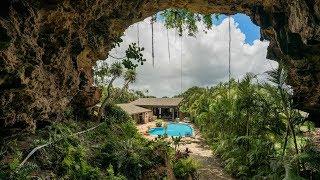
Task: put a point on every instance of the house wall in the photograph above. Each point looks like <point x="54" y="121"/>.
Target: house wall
<point x="146" y="117"/>
<point x="176" y="113"/>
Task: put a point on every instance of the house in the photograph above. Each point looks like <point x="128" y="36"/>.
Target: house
<point x="139" y="114"/>
<point x="164" y="108"/>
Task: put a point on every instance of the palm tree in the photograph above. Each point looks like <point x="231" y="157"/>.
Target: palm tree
<point x="278" y="77"/>
<point x="115" y="71"/>
<point x="130" y="76"/>
<point x="100" y="72"/>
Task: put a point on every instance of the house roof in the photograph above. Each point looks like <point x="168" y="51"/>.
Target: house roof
<point x="133" y="109"/>
<point x="168" y="102"/>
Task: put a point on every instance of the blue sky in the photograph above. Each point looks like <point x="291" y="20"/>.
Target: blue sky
<point x="251" y="31"/>
<point x="202" y="60"/>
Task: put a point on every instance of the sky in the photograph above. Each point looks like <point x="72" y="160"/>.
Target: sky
<point x="204" y="59"/>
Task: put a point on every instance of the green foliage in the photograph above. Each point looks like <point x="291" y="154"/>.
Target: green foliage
<point x="112" y="176"/>
<point x="132" y="156"/>
<point x="126" y="96"/>
<point x="101" y="73"/>
<point x="76" y="166"/>
<point x="25" y="171"/>
<point x="88" y="155"/>
<point x="246" y="124"/>
<point x="185" y="167"/>
<point x="68" y="113"/>
<point x="17" y="172"/>
<point x="114" y="114"/>
<point x="182" y="19"/>
<point x="15" y="161"/>
<point x="133" y="53"/>
<point x="309" y="160"/>
<point x="176" y="141"/>
<point x="133" y="58"/>
<point x="159" y="123"/>
<point x="246" y="156"/>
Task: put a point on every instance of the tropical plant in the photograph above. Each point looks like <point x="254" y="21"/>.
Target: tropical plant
<point x="176" y="142"/>
<point x="133" y="53"/>
<point x="130" y="76"/>
<point x="245" y="123"/>
<point x="115" y="71"/>
<point x="185" y="168"/>
<point x="182" y="19"/>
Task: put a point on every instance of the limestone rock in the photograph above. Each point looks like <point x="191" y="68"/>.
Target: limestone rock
<point x="48" y="48"/>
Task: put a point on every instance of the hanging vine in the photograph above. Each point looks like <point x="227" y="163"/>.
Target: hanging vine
<point x="181" y="64"/>
<point x="138" y="34"/>
<point x="153" y="18"/>
<point x="168" y="39"/>
<point x="229" y="53"/>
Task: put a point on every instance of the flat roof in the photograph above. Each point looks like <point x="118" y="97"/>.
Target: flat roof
<point x="132" y="109"/>
<point x="167" y="102"/>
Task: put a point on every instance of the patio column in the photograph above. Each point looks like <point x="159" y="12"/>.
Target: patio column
<point x="172" y="113"/>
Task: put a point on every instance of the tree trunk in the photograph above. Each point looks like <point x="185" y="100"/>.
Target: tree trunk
<point x="294" y="137"/>
<point x="285" y="140"/>
<point x="125" y="86"/>
<point x="105" y="101"/>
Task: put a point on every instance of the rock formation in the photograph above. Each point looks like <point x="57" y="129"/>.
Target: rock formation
<point x="48" y="49"/>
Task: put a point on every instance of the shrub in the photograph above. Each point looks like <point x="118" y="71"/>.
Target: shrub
<point x="68" y="113"/>
<point x="114" y="114"/>
<point x="76" y="165"/>
<point x="308" y="160"/>
<point x="243" y="155"/>
<point x="184" y="168"/>
<point x="159" y="123"/>
<point x="112" y="176"/>
<point x="132" y="157"/>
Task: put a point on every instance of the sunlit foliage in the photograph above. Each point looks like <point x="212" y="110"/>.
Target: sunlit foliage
<point x="184" y="20"/>
<point x="246" y="126"/>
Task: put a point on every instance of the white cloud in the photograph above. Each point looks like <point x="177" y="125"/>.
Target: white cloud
<point x="204" y="58"/>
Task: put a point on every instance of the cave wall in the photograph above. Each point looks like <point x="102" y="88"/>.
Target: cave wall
<point x="48" y="48"/>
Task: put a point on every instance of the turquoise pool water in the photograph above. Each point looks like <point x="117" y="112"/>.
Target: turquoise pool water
<point x="173" y="129"/>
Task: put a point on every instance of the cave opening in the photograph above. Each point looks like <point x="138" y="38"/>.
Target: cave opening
<point x="199" y="58"/>
<point x="48" y="49"/>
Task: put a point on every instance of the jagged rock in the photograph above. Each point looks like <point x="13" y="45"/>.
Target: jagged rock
<point x="48" y="48"/>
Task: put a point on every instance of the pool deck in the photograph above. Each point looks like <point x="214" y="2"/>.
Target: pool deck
<point x="211" y="165"/>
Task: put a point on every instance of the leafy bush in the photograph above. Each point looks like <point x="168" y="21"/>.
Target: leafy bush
<point x="308" y="160"/>
<point x="246" y="156"/>
<point x="68" y="113"/>
<point x="159" y="123"/>
<point x="245" y="122"/>
<point x="114" y="114"/>
<point x="76" y="166"/>
<point x="132" y="157"/>
<point x="88" y="155"/>
<point x="112" y="176"/>
<point x="185" y="167"/>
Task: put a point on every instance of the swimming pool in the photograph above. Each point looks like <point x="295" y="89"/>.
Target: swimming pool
<point x="173" y="129"/>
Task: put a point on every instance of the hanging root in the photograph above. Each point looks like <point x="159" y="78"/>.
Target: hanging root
<point x="152" y="39"/>
<point x="168" y="45"/>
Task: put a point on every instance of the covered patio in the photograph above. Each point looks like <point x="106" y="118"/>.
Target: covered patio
<point x="163" y="108"/>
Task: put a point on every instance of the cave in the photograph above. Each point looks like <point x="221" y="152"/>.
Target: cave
<point x="67" y="38"/>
